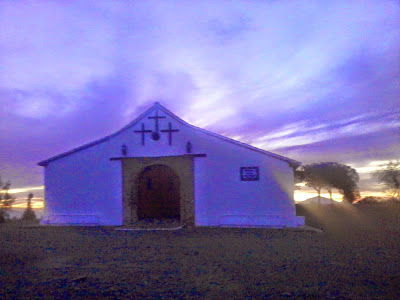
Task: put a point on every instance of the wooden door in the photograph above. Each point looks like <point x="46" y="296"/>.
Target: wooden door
<point x="158" y="193"/>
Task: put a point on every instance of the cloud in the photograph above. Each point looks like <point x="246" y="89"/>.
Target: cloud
<point x="26" y="189"/>
<point x="286" y="47"/>
<point x="53" y="45"/>
<point x="301" y="133"/>
<point x="305" y="79"/>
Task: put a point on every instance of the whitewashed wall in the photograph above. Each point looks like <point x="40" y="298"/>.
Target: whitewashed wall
<point x="85" y="187"/>
<point x="223" y="199"/>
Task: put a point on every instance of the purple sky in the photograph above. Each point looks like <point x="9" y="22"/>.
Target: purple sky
<point x="311" y="80"/>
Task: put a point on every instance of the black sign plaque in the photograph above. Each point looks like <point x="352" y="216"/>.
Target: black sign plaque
<point x="249" y="174"/>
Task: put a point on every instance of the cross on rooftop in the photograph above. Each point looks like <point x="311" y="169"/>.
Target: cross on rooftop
<point x="170" y="131"/>
<point x="156" y="118"/>
<point x="143" y="132"/>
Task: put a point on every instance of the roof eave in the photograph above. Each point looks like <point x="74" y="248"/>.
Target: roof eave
<point x="291" y="162"/>
<point x="45" y="162"/>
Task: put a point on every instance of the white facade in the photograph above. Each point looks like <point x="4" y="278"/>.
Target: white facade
<point x="85" y="185"/>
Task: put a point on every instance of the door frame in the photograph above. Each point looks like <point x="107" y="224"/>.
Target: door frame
<point x="183" y="165"/>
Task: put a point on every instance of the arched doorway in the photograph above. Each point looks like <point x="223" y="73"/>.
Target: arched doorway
<point x="158" y="193"/>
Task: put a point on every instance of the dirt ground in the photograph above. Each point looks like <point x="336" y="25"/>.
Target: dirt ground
<point x="357" y="256"/>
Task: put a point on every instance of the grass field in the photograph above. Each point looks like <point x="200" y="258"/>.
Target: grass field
<point x="357" y="256"/>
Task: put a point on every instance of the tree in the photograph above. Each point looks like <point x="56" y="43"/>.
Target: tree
<point x="389" y="176"/>
<point x="329" y="176"/>
<point x="312" y="176"/>
<point x="6" y="200"/>
<point x="343" y="178"/>
<point x="29" y="214"/>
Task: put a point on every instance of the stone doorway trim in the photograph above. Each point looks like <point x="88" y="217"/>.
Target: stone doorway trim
<point x="183" y="165"/>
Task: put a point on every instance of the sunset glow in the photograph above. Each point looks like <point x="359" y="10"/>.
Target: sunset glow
<point x="26" y="189"/>
<point x="37" y="203"/>
<point x="320" y="85"/>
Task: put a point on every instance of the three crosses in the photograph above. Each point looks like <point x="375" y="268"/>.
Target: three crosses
<point x="155" y="135"/>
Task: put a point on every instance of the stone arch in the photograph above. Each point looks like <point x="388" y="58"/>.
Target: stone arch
<point x="181" y="165"/>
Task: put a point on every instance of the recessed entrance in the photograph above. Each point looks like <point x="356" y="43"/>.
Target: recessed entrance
<point x="177" y="171"/>
<point x="158" y="190"/>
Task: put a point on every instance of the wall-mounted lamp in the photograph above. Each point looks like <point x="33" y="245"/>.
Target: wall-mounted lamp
<point x="124" y="150"/>
<point x="189" y="147"/>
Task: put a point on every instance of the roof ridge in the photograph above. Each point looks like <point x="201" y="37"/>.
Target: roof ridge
<point x="231" y="140"/>
<point x="103" y="139"/>
<point x="172" y="115"/>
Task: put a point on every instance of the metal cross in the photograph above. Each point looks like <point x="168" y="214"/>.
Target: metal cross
<point x="170" y="131"/>
<point x="143" y="132"/>
<point x="156" y="118"/>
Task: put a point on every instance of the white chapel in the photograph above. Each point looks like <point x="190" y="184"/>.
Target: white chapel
<point x="161" y="167"/>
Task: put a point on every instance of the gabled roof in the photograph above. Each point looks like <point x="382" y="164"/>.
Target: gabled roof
<point x="157" y="105"/>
